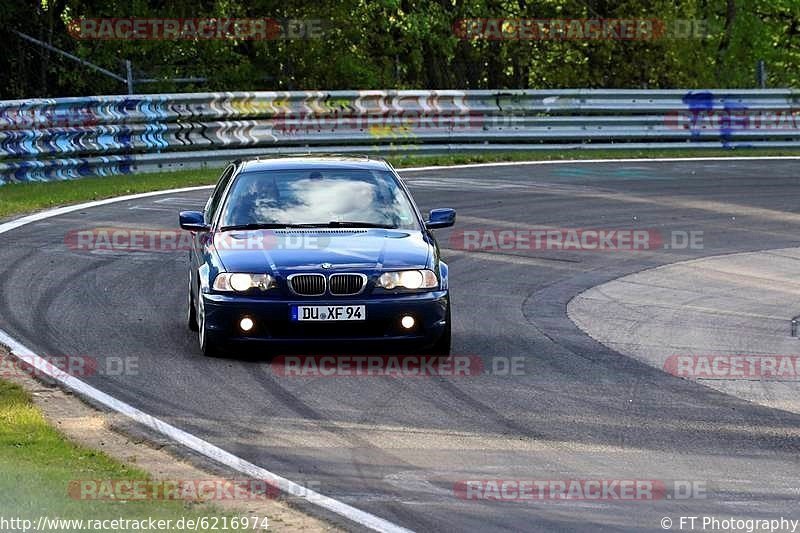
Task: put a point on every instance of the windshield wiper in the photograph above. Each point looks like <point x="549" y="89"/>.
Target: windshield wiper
<point x="260" y="225"/>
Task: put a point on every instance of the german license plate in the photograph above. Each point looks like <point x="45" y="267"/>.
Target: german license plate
<point x="328" y="313"/>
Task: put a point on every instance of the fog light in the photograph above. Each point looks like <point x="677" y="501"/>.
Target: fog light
<point x="407" y="322"/>
<point x="246" y="324"/>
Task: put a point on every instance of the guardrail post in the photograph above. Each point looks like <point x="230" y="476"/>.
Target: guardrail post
<point x="761" y="74"/>
<point x="129" y="73"/>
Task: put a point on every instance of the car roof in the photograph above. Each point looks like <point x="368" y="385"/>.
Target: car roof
<point x="314" y="162"/>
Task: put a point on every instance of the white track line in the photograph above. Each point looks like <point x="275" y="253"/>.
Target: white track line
<point x="206" y="448"/>
<point x="197" y="444"/>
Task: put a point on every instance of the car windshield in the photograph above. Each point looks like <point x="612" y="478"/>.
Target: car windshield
<point x="324" y="198"/>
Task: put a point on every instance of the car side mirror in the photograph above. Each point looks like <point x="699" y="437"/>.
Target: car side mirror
<point x="441" y="218"/>
<point x="193" y="221"/>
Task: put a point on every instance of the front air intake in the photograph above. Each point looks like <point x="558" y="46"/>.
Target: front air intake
<point x="307" y="284"/>
<point x="346" y="284"/>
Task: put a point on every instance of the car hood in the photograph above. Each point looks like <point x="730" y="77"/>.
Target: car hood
<point x="287" y="251"/>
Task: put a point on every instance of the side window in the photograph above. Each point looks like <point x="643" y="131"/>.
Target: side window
<point x="216" y="196"/>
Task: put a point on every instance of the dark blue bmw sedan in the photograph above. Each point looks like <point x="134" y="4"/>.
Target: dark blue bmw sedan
<point x="306" y="251"/>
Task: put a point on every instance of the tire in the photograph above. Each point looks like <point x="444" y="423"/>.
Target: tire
<point x="191" y="313"/>
<point x="442" y="346"/>
<point x="208" y="345"/>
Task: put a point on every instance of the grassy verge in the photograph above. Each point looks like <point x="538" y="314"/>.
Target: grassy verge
<point x="26" y="197"/>
<point x="17" y="198"/>
<point x="559" y="155"/>
<point x="37" y="465"/>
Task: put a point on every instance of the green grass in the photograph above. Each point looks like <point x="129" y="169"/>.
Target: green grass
<point x="20" y="198"/>
<point x="37" y="465"/>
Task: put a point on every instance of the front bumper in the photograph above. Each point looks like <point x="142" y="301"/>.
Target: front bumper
<point x="382" y="324"/>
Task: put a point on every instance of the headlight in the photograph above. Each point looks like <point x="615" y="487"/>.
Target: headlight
<point x="408" y="279"/>
<point x="232" y="281"/>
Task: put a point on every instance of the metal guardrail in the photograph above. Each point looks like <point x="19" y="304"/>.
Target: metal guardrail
<point x="54" y="139"/>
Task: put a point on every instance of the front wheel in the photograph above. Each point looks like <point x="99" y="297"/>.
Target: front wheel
<point x="442" y="346"/>
<point x="191" y="313"/>
<point x="208" y="346"/>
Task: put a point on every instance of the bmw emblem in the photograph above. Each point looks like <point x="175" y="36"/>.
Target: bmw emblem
<point x="326" y="266"/>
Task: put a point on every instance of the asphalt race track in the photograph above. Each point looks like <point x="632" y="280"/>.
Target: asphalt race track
<point x="396" y="447"/>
